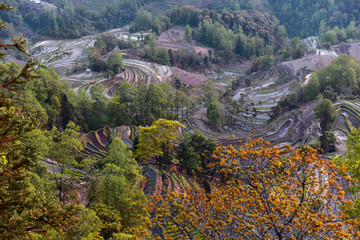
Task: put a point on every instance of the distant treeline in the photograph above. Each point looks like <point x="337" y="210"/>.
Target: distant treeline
<point x="69" y="21"/>
<point x="55" y="104"/>
<point x="329" y="37"/>
<point x="303" y="17"/>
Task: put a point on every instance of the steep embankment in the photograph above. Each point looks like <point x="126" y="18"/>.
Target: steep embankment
<point x="266" y="88"/>
<point x="351" y="49"/>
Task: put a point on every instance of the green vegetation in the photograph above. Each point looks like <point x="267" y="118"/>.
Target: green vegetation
<point x="306" y="18"/>
<point x="142" y="105"/>
<point x="188" y="34"/>
<point x="350" y="166"/>
<point x="115" y="63"/>
<point x="194" y="152"/>
<point x="67" y="20"/>
<point x="144" y="21"/>
<point x="339" y="78"/>
<point x="341" y="75"/>
<point x="115" y="160"/>
<point x="158" y="55"/>
<point x="326" y="113"/>
<point x="28" y="206"/>
<point x="158" y="141"/>
<point x="214" y="113"/>
<point x="339" y="35"/>
<point x="229" y="31"/>
<point x="312" y="88"/>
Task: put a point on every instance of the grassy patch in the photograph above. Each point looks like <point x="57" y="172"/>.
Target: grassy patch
<point x="96" y="77"/>
<point x="226" y="80"/>
<point x="266" y="91"/>
<point x="54" y="60"/>
<point x="263" y="108"/>
<point x="82" y="90"/>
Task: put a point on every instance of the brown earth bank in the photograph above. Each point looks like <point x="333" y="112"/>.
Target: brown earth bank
<point x="187" y="78"/>
<point x="303" y="125"/>
<point x="174" y="39"/>
<point x="351" y="49"/>
<point x="294" y="128"/>
<point x="308" y="63"/>
<point x="289" y="70"/>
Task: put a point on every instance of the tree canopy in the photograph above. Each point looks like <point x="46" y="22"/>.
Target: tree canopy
<point x="26" y="210"/>
<point x="263" y="192"/>
<point x="158" y="141"/>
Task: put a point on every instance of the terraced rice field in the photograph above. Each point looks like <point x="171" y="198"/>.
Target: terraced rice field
<point x="95" y="142"/>
<point x="135" y="72"/>
<point x="65" y="56"/>
<point x="262" y="98"/>
<point x="351" y="111"/>
<point x="131" y="74"/>
<point x="163" y="182"/>
<point x="279" y="137"/>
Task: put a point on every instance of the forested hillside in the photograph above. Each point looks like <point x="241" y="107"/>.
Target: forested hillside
<point x="64" y="19"/>
<point x="69" y="19"/>
<point x="161" y="119"/>
<point x="306" y="18"/>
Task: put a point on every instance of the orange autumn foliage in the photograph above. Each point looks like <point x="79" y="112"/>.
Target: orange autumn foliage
<point x="262" y="192"/>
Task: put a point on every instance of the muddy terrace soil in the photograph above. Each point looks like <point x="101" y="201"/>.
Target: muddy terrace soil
<point x="310" y="62"/>
<point x="352" y="49"/>
<point x="188" y="78"/>
<point x="174" y="39"/>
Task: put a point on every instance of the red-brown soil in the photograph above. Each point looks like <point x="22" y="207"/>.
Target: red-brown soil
<point x="188" y="78"/>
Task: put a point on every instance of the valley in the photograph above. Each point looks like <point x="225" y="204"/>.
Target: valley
<point x="268" y="86"/>
<point x="162" y="119"/>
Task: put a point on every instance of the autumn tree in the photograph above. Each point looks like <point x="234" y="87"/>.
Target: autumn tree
<point x="349" y="165"/>
<point x="158" y="141"/>
<point x="263" y="192"/>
